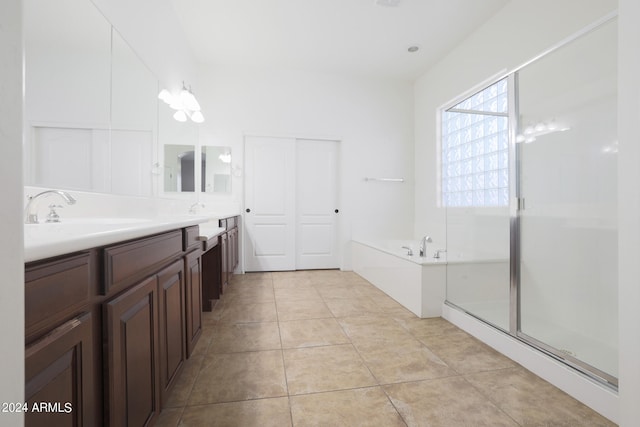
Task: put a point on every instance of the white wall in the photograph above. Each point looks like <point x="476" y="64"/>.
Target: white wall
<point x="372" y="119"/>
<point x="11" y="250"/>
<point x="629" y="210"/>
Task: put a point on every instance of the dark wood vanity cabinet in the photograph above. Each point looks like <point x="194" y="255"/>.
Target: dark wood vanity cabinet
<point x="108" y="330"/>
<point x="194" y="298"/>
<point x="144" y="326"/>
<point x="229" y="247"/>
<point x="62" y="384"/>
<point x="132" y="356"/>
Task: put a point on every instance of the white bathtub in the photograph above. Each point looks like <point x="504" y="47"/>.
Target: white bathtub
<point x="418" y="283"/>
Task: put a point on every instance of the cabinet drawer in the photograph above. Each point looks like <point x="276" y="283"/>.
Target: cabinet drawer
<point x="127" y="263"/>
<point x="190" y="238"/>
<point x="55" y="290"/>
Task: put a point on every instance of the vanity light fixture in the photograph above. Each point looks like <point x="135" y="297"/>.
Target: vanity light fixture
<point x="185" y="104"/>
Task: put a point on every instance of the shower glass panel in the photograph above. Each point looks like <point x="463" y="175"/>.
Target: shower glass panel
<point x="475" y="193"/>
<point x="567" y="145"/>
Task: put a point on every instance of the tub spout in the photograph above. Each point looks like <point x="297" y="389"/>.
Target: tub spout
<point x="423" y="245"/>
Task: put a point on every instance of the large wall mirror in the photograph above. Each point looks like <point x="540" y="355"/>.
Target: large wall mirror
<point x="91" y="103"/>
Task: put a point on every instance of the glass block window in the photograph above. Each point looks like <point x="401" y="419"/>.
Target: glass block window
<point x="475" y="149"/>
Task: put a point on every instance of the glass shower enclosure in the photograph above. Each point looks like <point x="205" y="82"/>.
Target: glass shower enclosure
<point x="542" y="266"/>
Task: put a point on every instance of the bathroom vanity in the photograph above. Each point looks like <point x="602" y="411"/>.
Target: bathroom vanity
<point x="108" y="328"/>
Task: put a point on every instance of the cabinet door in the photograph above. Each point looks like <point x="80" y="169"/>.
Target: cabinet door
<point x="194" y="299"/>
<point x="236" y="249"/>
<point x="224" y="254"/>
<point x="171" y="284"/>
<point x="59" y="374"/>
<point x="211" y="277"/>
<point x="132" y="357"/>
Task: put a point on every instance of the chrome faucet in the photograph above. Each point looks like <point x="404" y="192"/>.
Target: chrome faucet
<point x="437" y="253"/>
<point x="409" y="250"/>
<point x="194" y="207"/>
<point x="31" y="212"/>
<point x="423" y="245"/>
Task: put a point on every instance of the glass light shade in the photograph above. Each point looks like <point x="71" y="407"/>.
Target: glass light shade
<point x="189" y="101"/>
<point x="176" y="103"/>
<point x="180" y="116"/>
<point x="197" y="117"/>
<point x="166" y="96"/>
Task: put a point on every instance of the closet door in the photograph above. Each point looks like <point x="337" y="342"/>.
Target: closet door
<point x="270" y="204"/>
<point x="317" y="204"/>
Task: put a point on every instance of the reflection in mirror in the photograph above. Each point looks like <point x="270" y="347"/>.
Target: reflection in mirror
<point x="133" y="121"/>
<point x="178" y="139"/>
<point x="179" y="168"/>
<point x="90" y="102"/>
<point x="216" y="169"/>
<point x="67" y="47"/>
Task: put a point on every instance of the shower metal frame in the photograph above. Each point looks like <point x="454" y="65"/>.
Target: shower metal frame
<point x="516" y="205"/>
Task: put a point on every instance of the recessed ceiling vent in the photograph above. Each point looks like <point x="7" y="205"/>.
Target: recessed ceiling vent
<point x="387" y="3"/>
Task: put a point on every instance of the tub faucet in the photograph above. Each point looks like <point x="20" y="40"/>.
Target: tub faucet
<point x="423" y="245"/>
<point x="31" y="212"/>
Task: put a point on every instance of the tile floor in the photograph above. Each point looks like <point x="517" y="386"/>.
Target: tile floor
<point x="326" y="348"/>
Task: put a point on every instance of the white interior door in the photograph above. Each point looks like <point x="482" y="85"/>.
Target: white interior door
<point x="317" y="204"/>
<point x="269" y="204"/>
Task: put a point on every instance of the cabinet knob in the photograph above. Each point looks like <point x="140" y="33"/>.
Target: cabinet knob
<point x="247" y="210"/>
<point x="337" y="210"/>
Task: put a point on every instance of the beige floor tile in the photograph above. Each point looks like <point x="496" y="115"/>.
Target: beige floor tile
<point x="238" y="337"/>
<point x="250" y="277"/>
<point x="445" y="402"/>
<point x="362" y="407"/>
<point x="312" y="332"/>
<point x="239" y="376"/>
<point x="352" y="307"/>
<point x="339" y="292"/>
<point x="252" y="413"/>
<point x="169" y="417"/>
<point x="370" y="329"/>
<point x="250" y="294"/>
<point x="532" y="401"/>
<point x="403" y="361"/>
<point x="245" y="313"/>
<point x="184" y="383"/>
<point x="424" y="328"/>
<point x="465" y="353"/>
<point x="203" y="342"/>
<point x="297" y="294"/>
<point x="297" y="310"/>
<point x="289" y="282"/>
<point x="326" y="368"/>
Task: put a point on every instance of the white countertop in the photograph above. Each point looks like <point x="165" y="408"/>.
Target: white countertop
<point x="210" y="231"/>
<point x="75" y="234"/>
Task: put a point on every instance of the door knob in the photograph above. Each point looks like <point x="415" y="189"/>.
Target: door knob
<point x="248" y="210"/>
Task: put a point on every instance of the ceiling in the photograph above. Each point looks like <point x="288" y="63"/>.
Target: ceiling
<point x="355" y="37"/>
